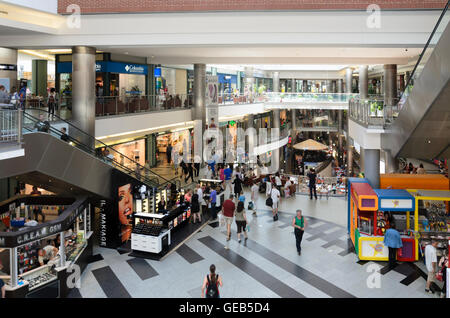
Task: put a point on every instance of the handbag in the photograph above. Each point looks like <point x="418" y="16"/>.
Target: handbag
<point x="269" y="201"/>
<point x="250" y="205"/>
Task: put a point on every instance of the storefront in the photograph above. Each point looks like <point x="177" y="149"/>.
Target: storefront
<point x="112" y="78"/>
<point x="180" y="140"/>
<point x="39" y="257"/>
<point x="134" y="150"/>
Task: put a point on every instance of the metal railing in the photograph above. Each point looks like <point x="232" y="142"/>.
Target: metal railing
<point x="308" y="97"/>
<point x="10" y="126"/>
<point x="373" y="112"/>
<point x="89" y="144"/>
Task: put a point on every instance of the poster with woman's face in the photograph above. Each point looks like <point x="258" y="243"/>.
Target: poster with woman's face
<point x="125" y="209"/>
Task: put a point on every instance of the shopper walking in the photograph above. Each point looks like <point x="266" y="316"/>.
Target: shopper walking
<point x="312" y="183"/>
<point x="190" y="170"/>
<point x="275" y="194"/>
<point x="393" y="241"/>
<point x="195" y="208"/>
<point x="254" y="197"/>
<point x="212" y="203"/>
<point x="169" y="153"/>
<point x="211" y="283"/>
<point x="237" y="186"/>
<point x="52" y="102"/>
<point x="228" y="209"/>
<point x="431" y="262"/>
<point x="299" y="223"/>
<point x="241" y="222"/>
<point x="227" y="173"/>
<point x="197" y="169"/>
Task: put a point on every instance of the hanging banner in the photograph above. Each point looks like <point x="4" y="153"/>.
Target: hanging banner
<point x="212" y="101"/>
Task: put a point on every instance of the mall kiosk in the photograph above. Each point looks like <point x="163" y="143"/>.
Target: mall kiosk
<point x="363" y="208"/>
<point x="23" y="274"/>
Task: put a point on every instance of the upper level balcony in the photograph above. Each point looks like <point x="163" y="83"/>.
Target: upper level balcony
<point x="326" y="101"/>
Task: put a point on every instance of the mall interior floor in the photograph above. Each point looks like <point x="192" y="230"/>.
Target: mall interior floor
<point x="268" y="266"/>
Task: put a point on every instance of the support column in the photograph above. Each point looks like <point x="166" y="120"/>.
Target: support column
<point x="249" y="81"/>
<point x="372" y="162"/>
<point x="329" y="86"/>
<point x="348" y="80"/>
<point x="275" y="164"/>
<point x="199" y="109"/>
<point x="250" y="144"/>
<point x="402" y="83"/>
<point x="293" y="122"/>
<point x="392" y="163"/>
<point x="361" y="159"/>
<point x="390" y="84"/>
<point x="39" y="77"/>
<point x="276" y="82"/>
<point x="340" y="85"/>
<point x="305" y="86"/>
<point x="334" y="86"/>
<point x="349" y="160"/>
<point x="363" y="81"/>
<point x="83" y="93"/>
<point x="294" y="85"/>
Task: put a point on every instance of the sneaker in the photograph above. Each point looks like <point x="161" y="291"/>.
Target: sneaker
<point x="442" y="295"/>
<point x="239" y="241"/>
<point x="299" y="253"/>
<point x="429" y="291"/>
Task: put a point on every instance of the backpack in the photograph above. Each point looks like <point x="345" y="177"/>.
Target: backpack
<point x="212" y="291"/>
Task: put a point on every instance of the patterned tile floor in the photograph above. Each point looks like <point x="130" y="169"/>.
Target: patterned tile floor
<point x="268" y="266"/>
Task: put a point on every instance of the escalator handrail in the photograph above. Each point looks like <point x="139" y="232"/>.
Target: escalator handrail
<point x="100" y="142"/>
<point x="444" y="11"/>
<point x="90" y="151"/>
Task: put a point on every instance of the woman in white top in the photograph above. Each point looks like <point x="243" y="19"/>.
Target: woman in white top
<point x="268" y="187"/>
<point x="254" y="196"/>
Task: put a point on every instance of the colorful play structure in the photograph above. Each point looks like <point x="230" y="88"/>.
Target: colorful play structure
<point x="418" y="204"/>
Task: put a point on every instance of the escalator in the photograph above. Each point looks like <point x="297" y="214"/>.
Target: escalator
<point x="73" y="166"/>
<point x="422" y="128"/>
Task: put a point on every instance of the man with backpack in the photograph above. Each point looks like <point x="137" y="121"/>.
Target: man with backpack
<point x="211" y="283"/>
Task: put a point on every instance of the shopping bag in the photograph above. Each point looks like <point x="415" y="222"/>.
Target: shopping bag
<point x="221" y="220"/>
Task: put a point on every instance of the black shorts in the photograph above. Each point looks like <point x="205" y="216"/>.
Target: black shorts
<point x="241" y="226"/>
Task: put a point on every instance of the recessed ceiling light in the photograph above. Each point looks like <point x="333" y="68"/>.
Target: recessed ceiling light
<point x="126" y="53"/>
<point x="429" y="141"/>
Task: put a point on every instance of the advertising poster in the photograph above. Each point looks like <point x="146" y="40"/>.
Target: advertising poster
<point x="125" y="209"/>
<point x="212" y="101"/>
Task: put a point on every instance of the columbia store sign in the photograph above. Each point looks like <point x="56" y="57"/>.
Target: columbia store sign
<point x="108" y="67"/>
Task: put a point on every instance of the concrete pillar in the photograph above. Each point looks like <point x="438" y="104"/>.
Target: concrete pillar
<point x="275" y="165"/>
<point x="334" y="86"/>
<point x="249" y="79"/>
<point x="39" y="77"/>
<point x="276" y="82"/>
<point x="305" y="86"/>
<point x="83" y="93"/>
<point x="340" y="85"/>
<point x="402" y="83"/>
<point x="363" y="81"/>
<point x="340" y="131"/>
<point x="361" y="159"/>
<point x="390" y="84"/>
<point x="9" y="56"/>
<point x="250" y="144"/>
<point x="392" y="163"/>
<point x="372" y="164"/>
<point x="329" y="84"/>
<point x="350" y="160"/>
<point x="293" y="122"/>
<point x="294" y="85"/>
<point x="348" y="80"/>
<point x="199" y="109"/>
